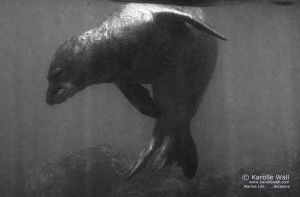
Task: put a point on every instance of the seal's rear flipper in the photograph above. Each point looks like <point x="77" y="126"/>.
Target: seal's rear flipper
<point x="187" y="16"/>
<point x="180" y="150"/>
<point x="186" y="154"/>
<point x="140" y="98"/>
<point x="144" y="156"/>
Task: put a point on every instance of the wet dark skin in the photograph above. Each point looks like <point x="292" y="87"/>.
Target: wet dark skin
<point x="171" y="48"/>
<point x="210" y="2"/>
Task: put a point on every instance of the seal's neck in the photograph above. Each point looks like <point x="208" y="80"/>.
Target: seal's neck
<point x="103" y="53"/>
<point x="100" y="62"/>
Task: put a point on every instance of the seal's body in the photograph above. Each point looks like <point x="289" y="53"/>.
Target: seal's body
<point x="145" y="44"/>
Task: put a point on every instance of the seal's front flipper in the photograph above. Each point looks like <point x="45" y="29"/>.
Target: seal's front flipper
<point x="140" y="98"/>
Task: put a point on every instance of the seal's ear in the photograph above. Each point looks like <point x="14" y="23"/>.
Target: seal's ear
<point x="194" y="19"/>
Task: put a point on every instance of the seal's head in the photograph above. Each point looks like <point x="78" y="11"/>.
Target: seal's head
<point x="69" y="71"/>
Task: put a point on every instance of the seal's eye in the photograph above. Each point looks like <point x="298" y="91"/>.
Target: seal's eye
<point x="56" y="73"/>
<point x="56" y="70"/>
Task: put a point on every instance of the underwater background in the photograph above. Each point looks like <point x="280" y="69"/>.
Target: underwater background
<point x="249" y="116"/>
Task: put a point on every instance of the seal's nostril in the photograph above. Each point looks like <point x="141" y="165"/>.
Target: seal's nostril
<point x="49" y="96"/>
<point x="49" y="101"/>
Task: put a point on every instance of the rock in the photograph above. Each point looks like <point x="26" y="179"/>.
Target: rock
<point x="99" y="172"/>
<point x="89" y="172"/>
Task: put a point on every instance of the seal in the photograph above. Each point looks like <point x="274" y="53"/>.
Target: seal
<point x="171" y="48"/>
<point x="209" y="2"/>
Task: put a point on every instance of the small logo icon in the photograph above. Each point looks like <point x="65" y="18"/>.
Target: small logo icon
<point x="245" y="177"/>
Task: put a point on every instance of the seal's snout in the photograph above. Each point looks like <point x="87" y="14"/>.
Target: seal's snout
<point x="50" y="102"/>
<point x="57" y="94"/>
<point x="49" y="97"/>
